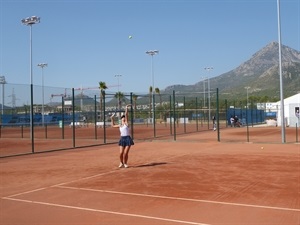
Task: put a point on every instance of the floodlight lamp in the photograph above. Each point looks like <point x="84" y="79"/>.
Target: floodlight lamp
<point x="42" y="65"/>
<point x="2" y="80"/>
<point x="152" y="52"/>
<point x="31" y="20"/>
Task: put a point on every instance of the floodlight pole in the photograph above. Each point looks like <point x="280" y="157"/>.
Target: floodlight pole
<point x="29" y="21"/>
<point x="152" y="53"/>
<point x="2" y="81"/>
<point x="280" y="77"/>
<point x="118" y="77"/>
<point x="42" y="65"/>
<point x="208" y="91"/>
<point x="247" y="95"/>
<point x="204" y="92"/>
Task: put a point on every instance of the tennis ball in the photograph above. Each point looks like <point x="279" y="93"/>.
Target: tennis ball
<point x="130" y="37"/>
<point x="261" y="147"/>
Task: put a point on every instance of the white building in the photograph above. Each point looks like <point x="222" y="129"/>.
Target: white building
<point x="291" y="111"/>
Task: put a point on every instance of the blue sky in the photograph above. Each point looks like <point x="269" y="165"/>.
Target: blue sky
<point x="86" y="41"/>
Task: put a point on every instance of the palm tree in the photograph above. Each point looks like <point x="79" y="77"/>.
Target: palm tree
<point x="102" y="87"/>
<point x="134" y="97"/>
<point x="120" y="97"/>
<point x="157" y="91"/>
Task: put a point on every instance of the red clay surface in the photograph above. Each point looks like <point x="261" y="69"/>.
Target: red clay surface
<point x="168" y="182"/>
<point x="13" y="141"/>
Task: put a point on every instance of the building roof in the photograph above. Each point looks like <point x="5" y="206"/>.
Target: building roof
<point x="292" y="99"/>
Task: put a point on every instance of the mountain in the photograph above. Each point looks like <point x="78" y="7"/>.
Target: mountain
<point x="260" y="73"/>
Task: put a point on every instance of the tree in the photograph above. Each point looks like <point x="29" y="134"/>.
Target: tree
<point x="102" y="87"/>
<point x="157" y="91"/>
<point x="134" y="97"/>
<point x="120" y="98"/>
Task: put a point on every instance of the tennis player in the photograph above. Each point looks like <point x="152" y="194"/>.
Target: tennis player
<point x="125" y="141"/>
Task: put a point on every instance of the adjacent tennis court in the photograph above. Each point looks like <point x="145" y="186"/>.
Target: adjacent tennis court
<point x="168" y="182"/>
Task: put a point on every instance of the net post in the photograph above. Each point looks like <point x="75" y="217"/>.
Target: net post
<point x="174" y="115"/>
<point x="103" y="113"/>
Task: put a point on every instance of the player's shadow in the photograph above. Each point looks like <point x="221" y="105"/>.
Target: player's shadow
<point x="152" y="164"/>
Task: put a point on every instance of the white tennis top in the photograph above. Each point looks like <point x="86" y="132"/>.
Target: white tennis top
<point x="124" y="130"/>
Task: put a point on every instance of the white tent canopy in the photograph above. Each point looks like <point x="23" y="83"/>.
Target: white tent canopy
<point x="291" y="106"/>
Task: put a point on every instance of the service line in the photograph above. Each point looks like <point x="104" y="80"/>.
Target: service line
<point x="105" y="211"/>
<point x="183" y="199"/>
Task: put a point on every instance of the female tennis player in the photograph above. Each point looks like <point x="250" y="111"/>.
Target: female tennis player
<point x="125" y="141"/>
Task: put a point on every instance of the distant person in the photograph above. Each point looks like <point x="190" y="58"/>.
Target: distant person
<point x="232" y="121"/>
<point x="125" y="141"/>
<point x="84" y="121"/>
<point x="214" y="123"/>
<point x="297" y="113"/>
<point x="236" y="122"/>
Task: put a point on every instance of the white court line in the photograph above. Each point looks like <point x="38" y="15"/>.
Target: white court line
<point x="25" y="192"/>
<point x="105" y="211"/>
<point x="101" y="174"/>
<point x="84" y="178"/>
<point x="72" y="181"/>
<point x="133" y="194"/>
<point x="183" y="199"/>
<point x="39" y="189"/>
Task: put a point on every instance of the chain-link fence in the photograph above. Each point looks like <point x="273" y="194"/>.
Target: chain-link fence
<point x="66" y="118"/>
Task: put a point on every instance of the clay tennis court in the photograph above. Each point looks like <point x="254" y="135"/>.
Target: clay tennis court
<point x="168" y="182"/>
<point x="16" y="140"/>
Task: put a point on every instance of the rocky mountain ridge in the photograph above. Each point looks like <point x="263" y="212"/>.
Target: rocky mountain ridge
<point x="260" y="73"/>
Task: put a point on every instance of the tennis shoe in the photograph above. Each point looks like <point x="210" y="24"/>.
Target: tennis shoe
<point x="121" y="165"/>
<point x="125" y="165"/>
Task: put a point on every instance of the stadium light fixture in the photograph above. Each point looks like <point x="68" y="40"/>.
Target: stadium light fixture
<point x="152" y="53"/>
<point x="29" y="21"/>
<point x="208" y="91"/>
<point x="247" y="88"/>
<point x="204" y="78"/>
<point x="118" y="77"/>
<point x="42" y="65"/>
<point x="283" y="140"/>
<point x="2" y="81"/>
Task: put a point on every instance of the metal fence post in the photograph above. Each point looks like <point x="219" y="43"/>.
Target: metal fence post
<point x="95" y="115"/>
<point x="131" y="115"/>
<point x="174" y="115"/>
<point x="103" y="113"/>
<point x="63" y="117"/>
<point x="297" y="132"/>
<point x="73" y="117"/>
<point x="197" y="127"/>
<point x="218" y="115"/>
<point x="154" y="121"/>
